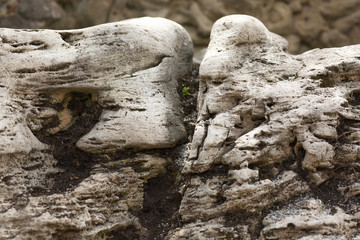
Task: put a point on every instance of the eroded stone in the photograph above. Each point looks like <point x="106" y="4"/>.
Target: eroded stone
<point x="272" y="127"/>
<point x="309" y="219"/>
<point x="123" y="74"/>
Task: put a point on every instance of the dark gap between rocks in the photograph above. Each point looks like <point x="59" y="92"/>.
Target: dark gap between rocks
<point x="327" y="192"/>
<point x="188" y="88"/>
<point x="254" y="221"/>
<point x="354" y="98"/>
<point x="345" y="128"/>
<point x="76" y="164"/>
<point x="162" y="198"/>
<point x="215" y="170"/>
<point x="161" y="194"/>
<point x="161" y="203"/>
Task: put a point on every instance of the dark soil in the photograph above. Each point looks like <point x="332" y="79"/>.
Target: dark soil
<point x="161" y="195"/>
<point x="354" y="100"/>
<point x="75" y="163"/>
<point x="254" y="221"/>
<point x="188" y="87"/>
<point x="161" y="203"/>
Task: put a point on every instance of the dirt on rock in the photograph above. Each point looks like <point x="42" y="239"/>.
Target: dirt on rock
<point x="162" y="196"/>
<point x="76" y="164"/>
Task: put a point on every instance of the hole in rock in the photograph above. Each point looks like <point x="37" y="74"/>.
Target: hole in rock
<point x="270" y="104"/>
<point x="76" y="164"/>
<point x="36" y="43"/>
<point x="345" y="71"/>
<point x="220" y="199"/>
<point x="299" y="151"/>
<point x="70" y="37"/>
<point x="65" y="36"/>
<point x="291" y="226"/>
<point x="354" y="98"/>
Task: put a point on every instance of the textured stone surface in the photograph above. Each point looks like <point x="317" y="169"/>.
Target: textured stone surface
<point x="271" y="129"/>
<point x="123" y="75"/>
<point x="305" y="24"/>
<point x="99" y="204"/>
<point x="311" y="218"/>
<point x="137" y="93"/>
<point x="275" y="153"/>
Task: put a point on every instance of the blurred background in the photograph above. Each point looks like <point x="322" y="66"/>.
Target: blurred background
<point x="306" y="24"/>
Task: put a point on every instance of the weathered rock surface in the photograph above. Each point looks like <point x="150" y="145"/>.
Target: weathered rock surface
<point x="105" y="89"/>
<point x="272" y="129"/>
<point x="305" y="24"/>
<point x="136" y="93"/>
<point x="309" y="215"/>
<point x="90" y="119"/>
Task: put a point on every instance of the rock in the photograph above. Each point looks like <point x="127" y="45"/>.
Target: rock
<point x="304" y="19"/>
<point x="109" y="90"/>
<point x="207" y="230"/>
<point x="273" y="128"/>
<point x="91" y="119"/>
<point x="125" y="93"/>
<point x="44" y="10"/>
<point x="102" y="201"/>
<point x="337" y="8"/>
<point x="354" y="34"/>
<point x="309" y="219"/>
<point x="322" y="130"/>
<point x="295" y="6"/>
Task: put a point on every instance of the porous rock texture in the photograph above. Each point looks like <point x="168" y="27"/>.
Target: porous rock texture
<point x="105" y="89"/>
<point x="90" y="120"/>
<point x="276" y="150"/>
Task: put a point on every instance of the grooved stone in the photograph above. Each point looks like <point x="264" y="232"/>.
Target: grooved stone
<point x="273" y="129"/>
<point x="129" y="67"/>
<point x="48" y="81"/>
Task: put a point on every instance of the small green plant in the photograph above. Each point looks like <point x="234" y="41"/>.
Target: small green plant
<point x="185" y="92"/>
